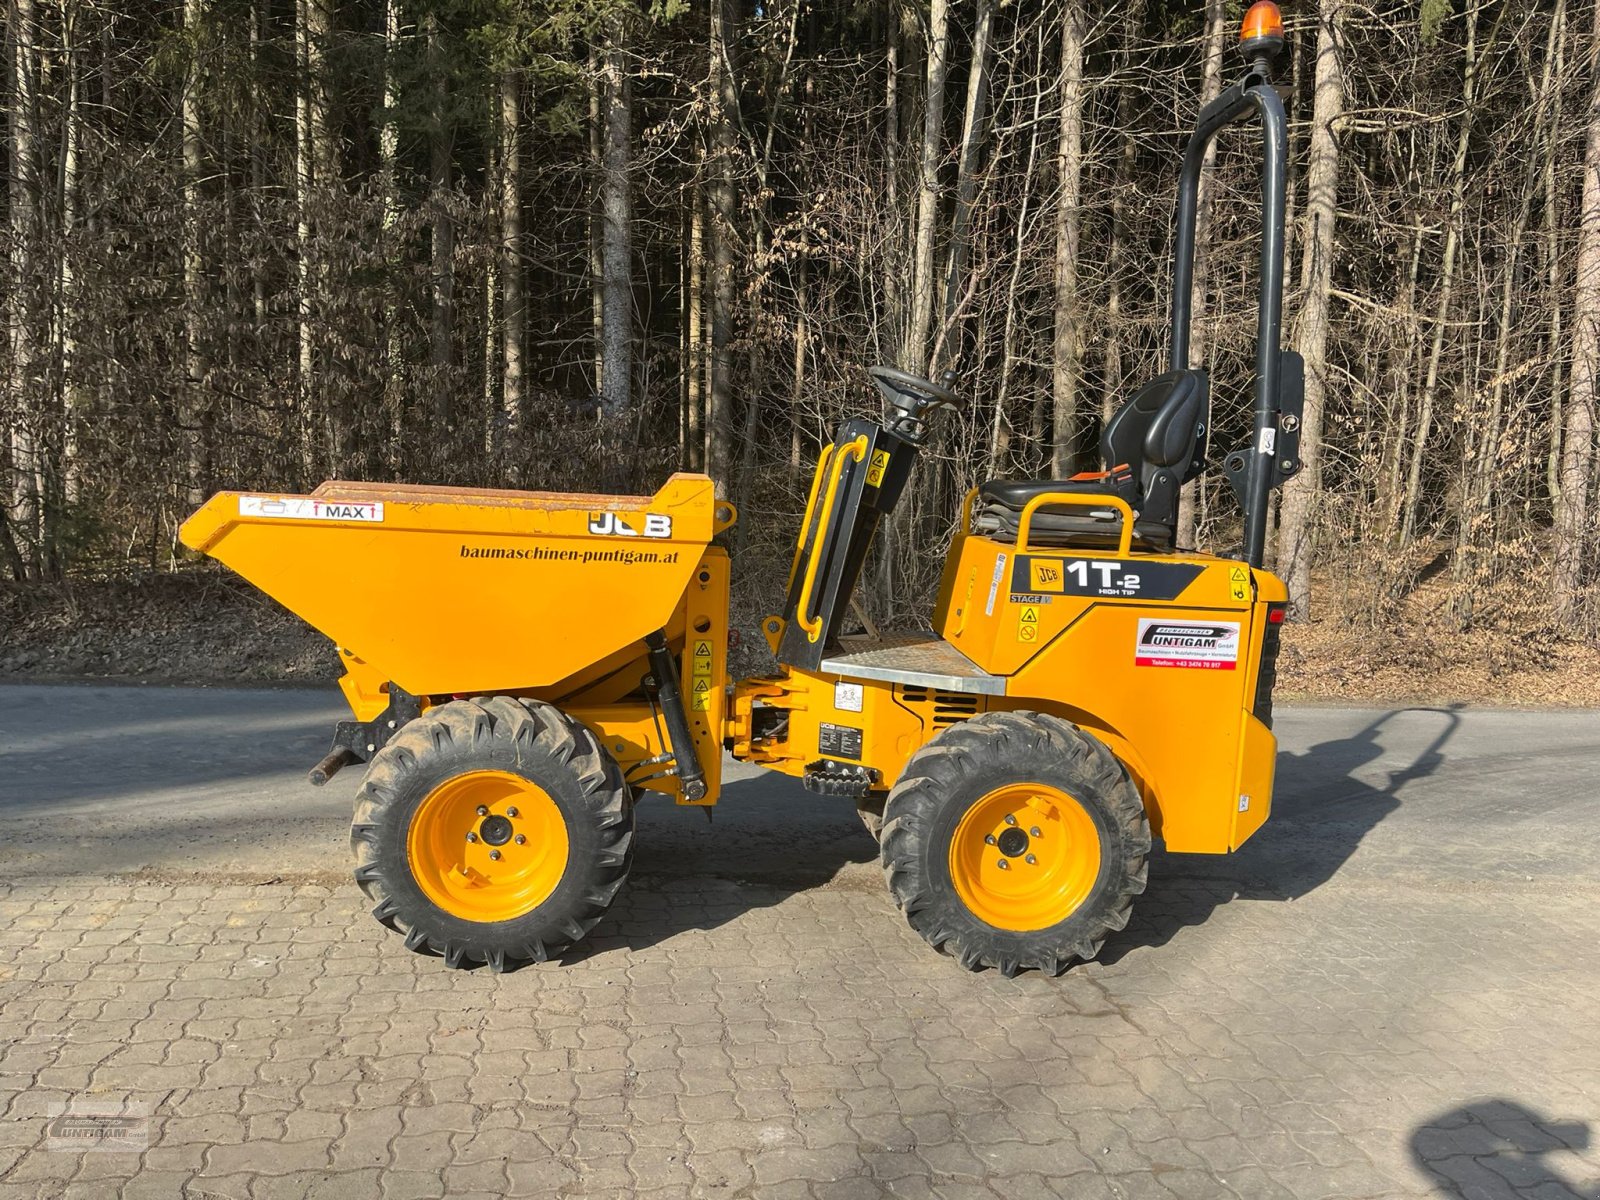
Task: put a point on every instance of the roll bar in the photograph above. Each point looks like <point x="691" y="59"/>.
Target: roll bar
<point x="1253" y="92"/>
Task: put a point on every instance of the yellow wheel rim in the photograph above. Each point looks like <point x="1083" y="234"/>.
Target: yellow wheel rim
<point x="1024" y="857"/>
<point x="488" y="846"/>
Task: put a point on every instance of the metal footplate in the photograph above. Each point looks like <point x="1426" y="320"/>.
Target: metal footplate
<point x="829" y="778"/>
<point x="920" y="658"/>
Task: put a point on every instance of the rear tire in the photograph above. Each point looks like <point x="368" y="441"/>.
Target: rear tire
<point x="438" y="819"/>
<point x="1049" y="801"/>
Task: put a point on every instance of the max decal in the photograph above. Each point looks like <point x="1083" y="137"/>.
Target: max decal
<point x="309" y="508"/>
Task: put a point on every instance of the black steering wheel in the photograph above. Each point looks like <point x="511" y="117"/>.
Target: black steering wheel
<point x="924" y="395"/>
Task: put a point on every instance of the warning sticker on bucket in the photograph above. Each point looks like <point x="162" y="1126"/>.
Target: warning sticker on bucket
<point x="308" y="508"/>
<point x="1207" y="645"/>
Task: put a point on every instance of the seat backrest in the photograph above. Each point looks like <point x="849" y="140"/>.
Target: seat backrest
<point x="1159" y="428"/>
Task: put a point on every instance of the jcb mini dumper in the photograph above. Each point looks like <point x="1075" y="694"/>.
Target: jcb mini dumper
<point x="1085" y="685"/>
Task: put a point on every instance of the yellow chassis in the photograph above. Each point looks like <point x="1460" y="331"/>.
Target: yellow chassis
<point x="454" y="592"/>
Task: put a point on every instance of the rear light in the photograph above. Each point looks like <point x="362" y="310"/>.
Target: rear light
<point x="1267" y="677"/>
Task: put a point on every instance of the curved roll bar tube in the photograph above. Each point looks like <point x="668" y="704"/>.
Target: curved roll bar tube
<point x="1255" y="91"/>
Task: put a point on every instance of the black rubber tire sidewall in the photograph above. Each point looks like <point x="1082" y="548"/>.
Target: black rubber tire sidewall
<point x="993" y="752"/>
<point x="589" y="814"/>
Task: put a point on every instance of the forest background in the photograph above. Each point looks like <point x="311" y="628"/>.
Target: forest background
<point x="579" y="244"/>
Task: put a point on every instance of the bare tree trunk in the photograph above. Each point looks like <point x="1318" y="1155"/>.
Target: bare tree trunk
<point x="923" y="282"/>
<point x="334" y="426"/>
<point x="305" y="273"/>
<point x="891" y="147"/>
<point x="1452" y="239"/>
<point x="26" y="491"/>
<point x="973" y="126"/>
<point x="1210" y="89"/>
<point x="196" y="422"/>
<point x="389" y="182"/>
<point x="441" y="326"/>
<point x="724" y="104"/>
<point x="1066" y="359"/>
<point x="513" y="317"/>
<point x="1297" y="512"/>
<point x="1554" y="270"/>
<point x="616" y="258"/>
<point x="1011" y="352"/>
<point x="1572" y="521"/>
<point x="597" y="274"/>
<point x="888" y="530"/>
<point x="68" y="297"/>
<point x="694" y="333"/>
<point x="1122" y="184"/>
<point x="1482" y="435"/>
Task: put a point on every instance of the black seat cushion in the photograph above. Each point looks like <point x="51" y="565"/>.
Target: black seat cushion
<point x="1078" y="525"/>
<point x="1015" y="493"/>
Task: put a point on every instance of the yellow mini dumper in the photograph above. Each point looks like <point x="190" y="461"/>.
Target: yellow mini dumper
<point x="1084" y="687"/>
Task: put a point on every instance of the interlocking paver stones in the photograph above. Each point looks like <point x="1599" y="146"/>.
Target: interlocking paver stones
<point x="1410" y="1023"/>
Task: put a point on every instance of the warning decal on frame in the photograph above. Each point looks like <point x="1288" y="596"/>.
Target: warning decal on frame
<point x="1238" y="584"/>
<point x="700" y="688"/>
<point x="1028" y="623"/>
<point x="876" y="468"/>
<point x="1205" y="645"/>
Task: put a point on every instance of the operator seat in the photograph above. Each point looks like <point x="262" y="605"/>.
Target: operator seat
<point x="1152" y="446"/>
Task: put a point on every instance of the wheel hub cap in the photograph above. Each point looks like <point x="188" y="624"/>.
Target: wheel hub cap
<point x="495" y="830"/>
<point x="1013" y="842"/>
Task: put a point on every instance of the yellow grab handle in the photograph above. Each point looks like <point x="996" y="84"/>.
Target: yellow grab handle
<point x="1087" y="500"/>
<point x="811" y="506"/>
<point x="855" y="451"/>
<point x="966" y="510"/>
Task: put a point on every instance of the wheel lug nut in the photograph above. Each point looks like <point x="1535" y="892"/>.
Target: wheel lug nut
<point x="521" y="840"/>
<point x="1035" y="832"/>
<point x="989" y="840"/>
<point x="1004" y="865"/>
<point x="482" y="811"/>
<point x="1030" y="860"/>
<point x="1010" y="820"/>
<point x="472" y="837"/>
<point x="494" y="855"/>
<point x="511" y="812"/>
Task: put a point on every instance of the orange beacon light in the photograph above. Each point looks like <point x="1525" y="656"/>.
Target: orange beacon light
<point x="1262" y="30"/>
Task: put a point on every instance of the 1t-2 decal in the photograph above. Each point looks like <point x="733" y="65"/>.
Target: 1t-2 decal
<point x="1101" y="577"/>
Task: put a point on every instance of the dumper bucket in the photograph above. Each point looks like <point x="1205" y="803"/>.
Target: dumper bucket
<point x="459" y="590"/>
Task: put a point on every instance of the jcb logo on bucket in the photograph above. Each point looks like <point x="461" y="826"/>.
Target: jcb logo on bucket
<point x="610" y="524"/>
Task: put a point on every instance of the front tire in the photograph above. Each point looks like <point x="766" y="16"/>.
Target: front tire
<point x="492" y="831"/>
<point x="1015" y="840"/>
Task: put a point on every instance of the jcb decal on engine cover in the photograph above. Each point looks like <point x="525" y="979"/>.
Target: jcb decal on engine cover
<point x="650" y="525"/>
<point x="308" y="508"/>
<point x="1102" y="577"/>
<point x="1208" y="645"/>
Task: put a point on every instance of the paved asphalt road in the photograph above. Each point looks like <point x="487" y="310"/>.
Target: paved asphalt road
<point x="1392" y="990"/>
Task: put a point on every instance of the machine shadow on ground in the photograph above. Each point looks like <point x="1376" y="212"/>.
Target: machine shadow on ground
<point x="767" y="839"/>
<point x="1321" y="813"/>
<point x="1498" y="1147"/>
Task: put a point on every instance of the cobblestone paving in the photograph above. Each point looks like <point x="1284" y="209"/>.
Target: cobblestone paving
<point x="1421" y="1022"/>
